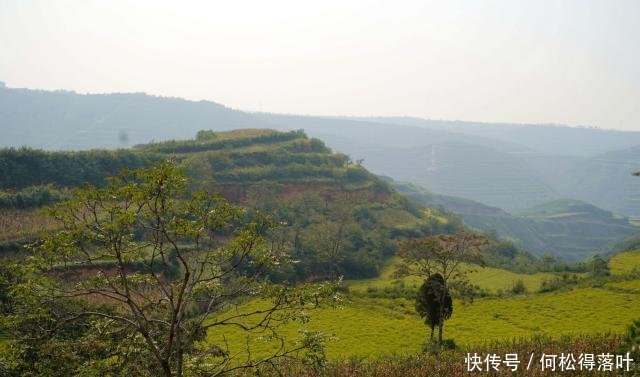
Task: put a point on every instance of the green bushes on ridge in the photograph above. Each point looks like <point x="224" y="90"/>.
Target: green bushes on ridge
<point x="25" y="167"/>
<point x="33" y="196"/>
<point x="212" y="142"/>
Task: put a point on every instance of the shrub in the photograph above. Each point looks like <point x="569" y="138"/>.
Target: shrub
<point x="518" y="287"/>
<point x="33" y="196"/>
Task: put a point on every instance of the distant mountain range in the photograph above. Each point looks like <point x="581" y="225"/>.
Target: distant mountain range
<point x="62" y="120"/>
<point x="508" y="166"/>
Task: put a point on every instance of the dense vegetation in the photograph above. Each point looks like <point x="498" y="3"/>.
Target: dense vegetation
<point x="177" y="265"/>
<point x="452" y="364"/>
<point x="342" y="220"/>
<point x="30" y="197"/>
<point x="24" y="167"/>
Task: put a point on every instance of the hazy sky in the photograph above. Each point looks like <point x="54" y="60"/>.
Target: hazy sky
<point x="572" y="62"/>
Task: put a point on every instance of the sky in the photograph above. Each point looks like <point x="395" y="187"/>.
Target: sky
<point x="574" y="62"/>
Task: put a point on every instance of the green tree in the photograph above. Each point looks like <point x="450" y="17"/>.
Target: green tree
<point x="329" y="234"/>
<point x="449" y="256"/>
<point x="598" y="266"/>
<point x="199" y="172"/>
<point x="153" y="269"/>
<point x="431" y="296"/>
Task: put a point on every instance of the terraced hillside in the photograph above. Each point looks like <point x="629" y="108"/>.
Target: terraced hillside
<point x="472" y="167"/>
<point x="569" y="229"/>
<point x="508" y="166"/>
<point x="324" y="201"/>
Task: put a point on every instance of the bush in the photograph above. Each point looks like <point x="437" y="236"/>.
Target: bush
<point x="518" y="287"/>
<point x="33" y="196"/>
<point x="24" y="167"/>
<point x="632" y="339"/>
<point x="550" y="285"/>
<point x="432" y="347"/>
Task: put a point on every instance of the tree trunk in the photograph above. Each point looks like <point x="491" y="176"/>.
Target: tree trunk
<point x="166" y="369"/>
<point x="179" y="362"/>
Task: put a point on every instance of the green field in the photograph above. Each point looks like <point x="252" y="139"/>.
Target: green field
<point x="631" y="286"/>
<point x="375" y="327"/>
<point x="625" y="263"/>
<point x="487" y="278"/>
<point x="370" y="327"/>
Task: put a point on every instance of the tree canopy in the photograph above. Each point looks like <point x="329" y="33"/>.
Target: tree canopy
<point x="433" y="302"/>
<point x="145" y="270"/>
<point x="444" y="261"/>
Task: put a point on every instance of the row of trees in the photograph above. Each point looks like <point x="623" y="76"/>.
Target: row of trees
<point x="23" y="167"/>
<point x="226" y="160"/>
<point x="207" y="141"/>
<point x="337" y="232"/>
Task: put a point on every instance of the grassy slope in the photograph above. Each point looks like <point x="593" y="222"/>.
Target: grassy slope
<point x="487" y="278"/>
<point x="625" y="263"/>
<point x="374" y="327"/>
<point x="370" y="327"/>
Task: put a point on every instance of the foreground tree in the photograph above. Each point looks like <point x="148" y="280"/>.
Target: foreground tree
<point x="151" y="271"/>
<point x="433" y="302"/>
<point x="445" y="261"/>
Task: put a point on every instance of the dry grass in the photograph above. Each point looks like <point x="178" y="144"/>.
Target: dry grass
<point x="20" y="224"/>
<point x="452" y="363"/>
